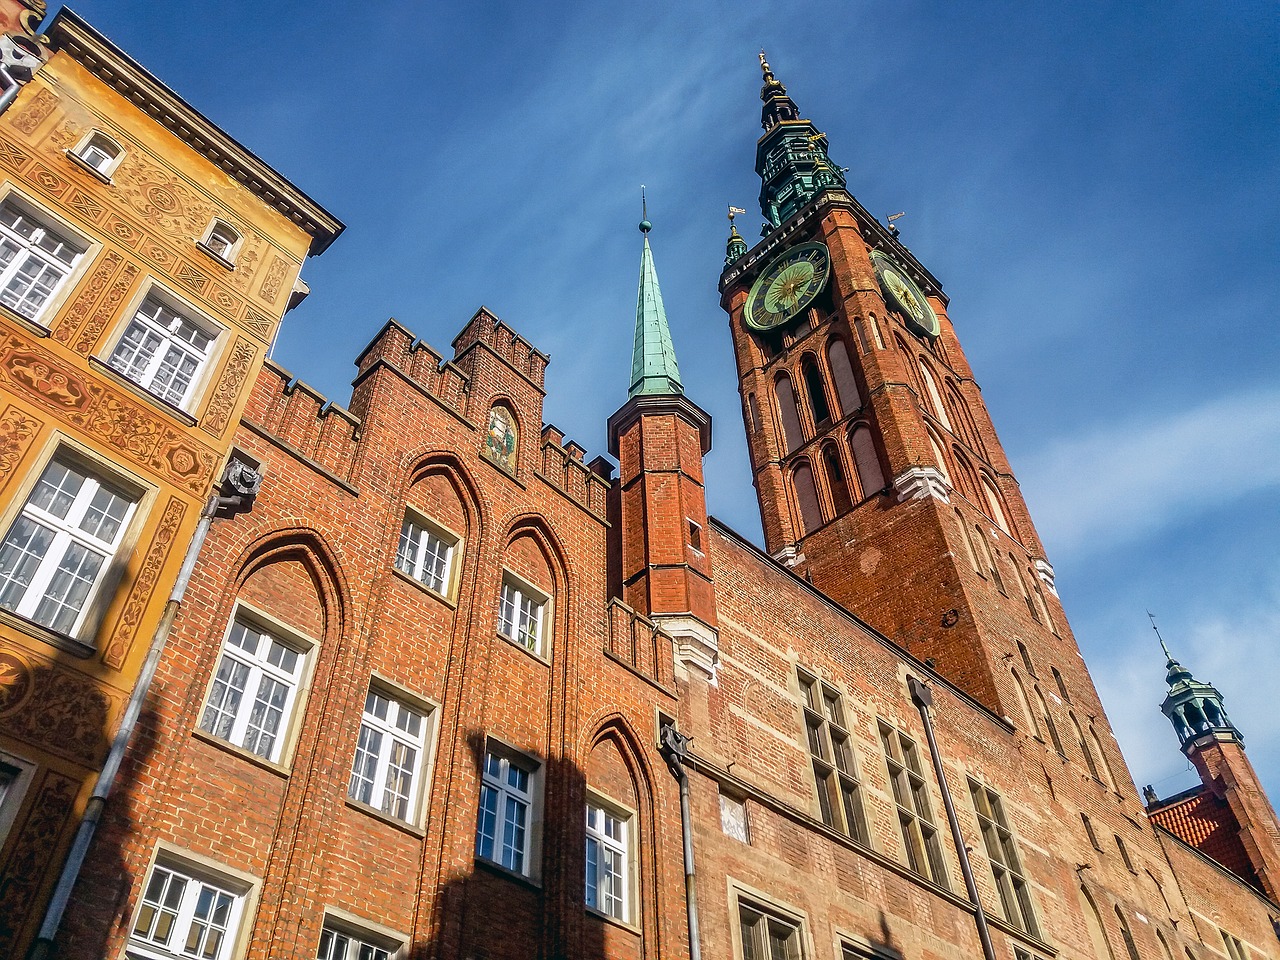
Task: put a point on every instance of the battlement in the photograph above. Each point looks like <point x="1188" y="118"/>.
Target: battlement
<point x="394" y="344"/>
<point x="484" y="328"/>
<point x="304" y="420"/>
<point x="561" y="465"/>
<point x="641" y="645"/>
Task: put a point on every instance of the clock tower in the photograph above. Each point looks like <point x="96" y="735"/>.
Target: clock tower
<point x="879" y="474"/>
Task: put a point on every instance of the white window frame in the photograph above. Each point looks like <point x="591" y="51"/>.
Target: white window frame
<point x="99" y="152"/>
<point x="523" y="614"/>
<point x="383" y="944"/>
<point x="184" y="910"/>
<point x="67" y="534"/>
<point x="495" y="781"/>
<point x="427" y="552"/>
<point x="221" y="241"/>
<point x="378" y="755"/>
<point x="258" y="671"/>
<point x="15" y="777"/>
<point x="160" y="319"/>
<point x="28" y="250"/>
<point x="614" y="899"/>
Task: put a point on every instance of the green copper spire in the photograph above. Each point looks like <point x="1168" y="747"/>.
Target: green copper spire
<point x="1194" y="708"/>
<point x="653" y="360"/>
<point x="791" y="157"/>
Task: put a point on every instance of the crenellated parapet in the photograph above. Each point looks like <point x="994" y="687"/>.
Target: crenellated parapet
<point x="641" y="645"/>
<point x="413" y="358"/>
<point x="563" y="465"/>
<point x="486" y="330"/>
<point x="303" y="420"/>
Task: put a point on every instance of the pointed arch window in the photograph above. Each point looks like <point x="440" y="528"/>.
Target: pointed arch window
<point x="806" y="496"/>
<point x="789" y="413"/>
<point x="1062" y="686"/>
<point x="1104" y="766"/>
<point x="993" y="502"/>
<point x="840" y="498"/>
<point x="1022" y="587"/>
<point x="938" y="456"/>
<point x="875" y="331"/>
<point x="1093" y="920"/>
<point x="1127" y="935"/>
<point x="989" y="559"/>
<point x="817" y="391"/>
<point x="935" y="398"/>
<point x="1048" y="721"/>
<point x="968" y="542"/>
<point x="1025" y="703"/>
<point x="866" y="460"/>
<point x="1084" y="747"/>
<point x="842" y="374"/>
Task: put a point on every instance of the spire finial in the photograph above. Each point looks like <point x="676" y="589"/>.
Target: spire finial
<point x="765" y="68"/>
<point x="1152" y="617"/>
<point x="653" y="359"/>
<point x="645" y="225"/>
<point x="735" y="247"/>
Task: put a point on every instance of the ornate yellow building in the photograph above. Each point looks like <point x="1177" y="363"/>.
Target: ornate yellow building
<point x="146" y="261"/>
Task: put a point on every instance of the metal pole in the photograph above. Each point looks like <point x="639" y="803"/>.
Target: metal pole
<point x="922" y="697"/>
<point x="675" y="748"/>
<point x="245" y="482"/>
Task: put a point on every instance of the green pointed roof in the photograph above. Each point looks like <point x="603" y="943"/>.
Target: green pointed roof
<point x="653" y="359"/>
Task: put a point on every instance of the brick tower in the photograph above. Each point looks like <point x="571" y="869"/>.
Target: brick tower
<point x="659" y="437"/>
<point x="878" y="471"/>
<point x="1229" y="816"/>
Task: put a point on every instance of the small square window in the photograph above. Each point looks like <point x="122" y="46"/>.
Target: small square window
<point x="187" y="912"/>
<point x="390" y="757"/>
<point x="345" y="941"/>
<point x="222" y="240"/>
<point x="163" y="351"/>
<point x="505" y="823"/>
<point x="99" y="153"/>
<point x="60" y="548"/>
<point x="426" y="554"/>
<point x="254" y="690"/>
<point x="521" y="612"/>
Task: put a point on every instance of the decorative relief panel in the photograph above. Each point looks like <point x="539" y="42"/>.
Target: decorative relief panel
<point x="48" y="181"/>
<point x="24" y="872"/>
<point x="258" y="323"/>
<point x="270" y="288"/>
<point x="35" y="112"/>
<point x="161" y="198"/>
<point x="191" y="277"/>
<point x="90" y="291"/>
<point x="161" y="544"/>
<point x="116" y="420"/>
<point x="106" y="311"/>
<point x="86" y="206"/>
<point x="63" y="712"/>
<point x="228" y="389"/>
<point x="13" y="156"/>
<point x="17" y="430"/>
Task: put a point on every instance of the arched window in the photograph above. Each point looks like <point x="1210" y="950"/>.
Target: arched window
<point x="100" y="152"/>
<point x="1093" y="920"/>
<point x="1022" y="586"/>
<point x="788" y="411"/>
<point x="993" y="502"/>
<point x="842" y="374"/>
<point x="1062" y="686"/>
<point x="938" y="456"/>
<point x="875" y="331"/>
<point x="1048" y="721"/>
<point x="1084" y="747"/>
<point x="1039" y="594"/>
<point x="1164" y="946"/>
<point x="835" y="479"/>
<point x="968" y="542"/>
<point x="1127" y="934"/>
<point x="753" y="411"/>
<point x="861" y="334"/>
<point x="866" y="460"/>
<point x="817" y="391"/>
<point x="935" y="398"/>
<point x="222" y="240"/>
<point x="502" y="438"/>
<point x="987" y="557"/>
<point x="1026" y="705"/>
<point x="1103" y="765"/>
<point x="966" y="480"/>
<point x="806" y="496"/>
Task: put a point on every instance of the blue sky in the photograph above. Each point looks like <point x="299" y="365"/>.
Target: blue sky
<point x="1097" y="186"/>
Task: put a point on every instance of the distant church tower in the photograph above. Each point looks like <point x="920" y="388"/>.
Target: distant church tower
<point x="879" y="474"/>
<point x="1228" y="817"/>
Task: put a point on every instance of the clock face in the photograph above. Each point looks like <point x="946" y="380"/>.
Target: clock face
<point x="900" y="291"/>
<point x="787" y="285"/>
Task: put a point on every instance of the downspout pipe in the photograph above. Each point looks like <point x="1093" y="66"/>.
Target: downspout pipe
<point x="922" y="697"/>
<point x="240" y="484"/>
<point x="675" y="750"/>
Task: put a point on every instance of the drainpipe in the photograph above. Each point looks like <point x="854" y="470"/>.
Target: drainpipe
<point x="922" y="697"/>
<point x="240" y="484"/>
<point x="675" y="750"/>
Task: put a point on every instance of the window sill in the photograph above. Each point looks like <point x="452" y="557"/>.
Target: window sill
<point x="73" y="646"/>
<point x="388" y="819"/>
<point x="268" y="765"/>
<point x="34" y="326"/>
<point x="612" y="921"/>
<point x="229" y="264"/>
<point x="142" y="392"/>
<point x="87" y="167"/>
<point x="509" y="474"/>
<point x="545" y="661"/>
<point x="414" y="581"/>
<point x="499" y="870"/>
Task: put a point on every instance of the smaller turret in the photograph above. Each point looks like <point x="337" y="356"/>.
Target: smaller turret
<point x="735" y="248"/>
<point x="1194" y="708"/>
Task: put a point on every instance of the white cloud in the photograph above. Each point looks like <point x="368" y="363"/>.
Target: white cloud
<point x="1129" y="479"/>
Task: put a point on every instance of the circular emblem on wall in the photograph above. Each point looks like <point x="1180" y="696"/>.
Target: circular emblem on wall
<point x="902" y="293"/>
<point x="15" y="683"/>
<point x="787" y="285"/>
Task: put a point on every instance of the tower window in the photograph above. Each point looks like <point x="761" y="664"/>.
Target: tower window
<point x="790" y="414"/>
<point x="866" y="460"/>
<point x="806" y="496"/>
<point x="831" y="756"/>
<point x="695" y="535"/>
<point x="993" y="501"/>
<point x="1088" y="829"/>
<point x="835" y="479"/>
<point x="842" y="374"/>
<point x="935" y="398"/>
<point x="817" y="392"/>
